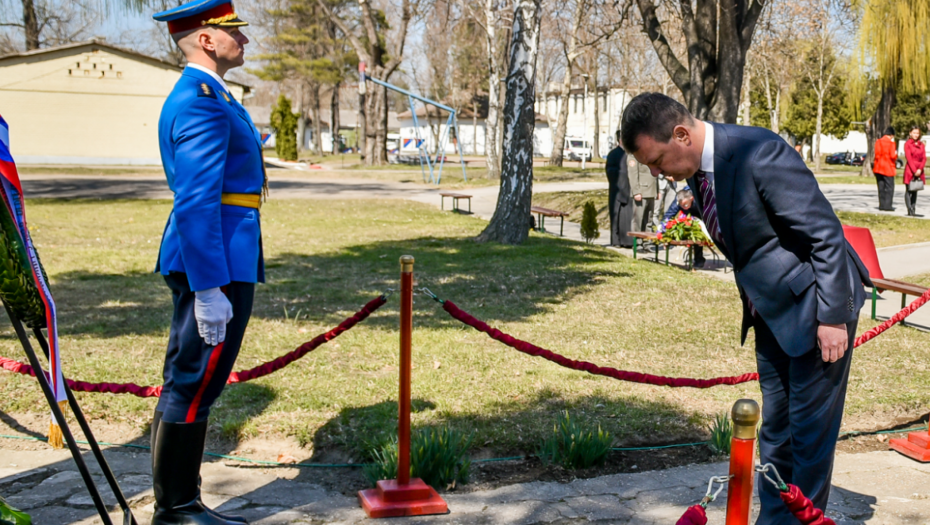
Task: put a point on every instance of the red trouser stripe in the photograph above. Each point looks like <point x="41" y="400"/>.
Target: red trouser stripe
<point x="211" y="367"/>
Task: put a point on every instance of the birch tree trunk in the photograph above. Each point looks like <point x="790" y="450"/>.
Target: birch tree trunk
<point x="555" y="157"/>
<point x="491" y="134"/>
<point x="596" y="143"/>
<point x="302" y="119"/>
<point x="511" y="221"/>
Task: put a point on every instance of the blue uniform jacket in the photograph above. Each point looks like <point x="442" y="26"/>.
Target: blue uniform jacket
<point x="209" y="146"/>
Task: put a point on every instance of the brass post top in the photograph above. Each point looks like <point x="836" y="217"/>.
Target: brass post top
<point x="406" y="263"/>
<point x="745" y="415"/>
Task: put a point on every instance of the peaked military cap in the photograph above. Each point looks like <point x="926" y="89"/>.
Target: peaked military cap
<point x="199" y="13"/>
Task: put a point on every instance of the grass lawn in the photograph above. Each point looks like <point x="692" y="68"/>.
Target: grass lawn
<point x="325" y="259"/>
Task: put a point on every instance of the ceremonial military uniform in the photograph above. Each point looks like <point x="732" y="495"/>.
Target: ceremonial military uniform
<point x="212" y="157"/>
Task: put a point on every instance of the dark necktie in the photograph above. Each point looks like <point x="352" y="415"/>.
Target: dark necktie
<point x="709" y="210"/>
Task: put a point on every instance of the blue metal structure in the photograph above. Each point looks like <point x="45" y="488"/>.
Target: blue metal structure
<point x="451" y="122"/>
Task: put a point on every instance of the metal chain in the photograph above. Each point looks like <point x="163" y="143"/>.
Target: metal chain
<point x="426" y="291"/>
<point x="777" y="482"/>
<point x="711" y="495"/>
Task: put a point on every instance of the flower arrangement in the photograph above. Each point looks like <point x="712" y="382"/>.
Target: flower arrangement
<point x="683" y="227"/>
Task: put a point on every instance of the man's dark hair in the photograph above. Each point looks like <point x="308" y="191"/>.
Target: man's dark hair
<point x="889" y="131"/>
<point x="618" y="137"/>
<point x="654" y="115"/>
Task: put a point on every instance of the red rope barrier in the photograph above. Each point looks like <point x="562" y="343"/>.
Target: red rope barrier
<point x="638" y="377"/>
<point x="695" y="515"/>
<point x="802" y="508"/>
<point x="591" y="368"/>
<point x="895" y="319"/>
<point x="235" y="377"/>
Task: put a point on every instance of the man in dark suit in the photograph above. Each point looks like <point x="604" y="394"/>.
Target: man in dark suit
<point x="799" y="280"/>
<point x="619" y="205"/>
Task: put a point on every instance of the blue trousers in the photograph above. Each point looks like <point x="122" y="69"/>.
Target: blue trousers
<point x="195" y="372"/>
<point x="802" y="408"/>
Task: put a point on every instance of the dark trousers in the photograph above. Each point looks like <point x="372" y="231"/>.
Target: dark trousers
<point x="910" y="200"/>
<point x="195" y="372"/>
<point x="802" y="407"/>
<point x="885" y="192"/>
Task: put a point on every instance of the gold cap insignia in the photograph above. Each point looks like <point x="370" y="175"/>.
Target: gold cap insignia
<point x="205" y="88"/>
<point x="225" y="96"/>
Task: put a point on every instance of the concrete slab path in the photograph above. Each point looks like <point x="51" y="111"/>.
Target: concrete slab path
<point x="874" y="487"/>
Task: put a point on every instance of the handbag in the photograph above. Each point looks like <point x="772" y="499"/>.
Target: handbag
<point x="915" y="185"/>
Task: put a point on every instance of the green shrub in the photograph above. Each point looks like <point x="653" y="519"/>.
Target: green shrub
<point x="574" y="446"/>
<point x="589" y="230"/>
<point x="721" y="433"/>
<point x="437" y="456"/>
<point x="284" y="123"/>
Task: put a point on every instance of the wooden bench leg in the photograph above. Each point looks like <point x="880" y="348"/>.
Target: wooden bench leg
<point x="562" y="228"/>
<point x="542" y="223"/>
<point x="657" y="250"/>
<point x="903" y="304"/>
<point x="469" y="205"/>
<point x="635" y="243"/>
<point x="874" y="300"/>
<point x="668" y="248"/>
<point x="690" y="257"/>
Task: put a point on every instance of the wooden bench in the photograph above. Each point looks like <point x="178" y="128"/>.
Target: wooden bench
<point x="542" y="213"/>
<point x="902" y="288"/>
<point x="455" y="200"/>
<point x="649" y="236"/>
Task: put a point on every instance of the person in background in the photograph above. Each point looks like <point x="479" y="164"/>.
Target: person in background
<point x="886" y="153"/>
<point x="915" y="151"/>
<point x="684" y="202"/>
<point x="645" y="189"/>
<point x="668" y="190"/>
<point x="619" y="203"/>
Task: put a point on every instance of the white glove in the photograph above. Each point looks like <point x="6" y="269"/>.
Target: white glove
<point x="212" y="310"/>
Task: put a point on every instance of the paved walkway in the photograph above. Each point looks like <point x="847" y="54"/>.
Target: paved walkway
<point x="874" y="487"/>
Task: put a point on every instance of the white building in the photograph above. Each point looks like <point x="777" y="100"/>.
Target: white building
<point x="610" y="104"/>
<point x="433" y="126"/>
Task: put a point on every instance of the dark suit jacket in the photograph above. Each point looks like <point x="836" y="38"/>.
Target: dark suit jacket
<point x="782" y="237"/>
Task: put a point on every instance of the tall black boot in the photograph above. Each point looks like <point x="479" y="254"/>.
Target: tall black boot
<point x="156" y="419"/>
<point x="178" y="452"/>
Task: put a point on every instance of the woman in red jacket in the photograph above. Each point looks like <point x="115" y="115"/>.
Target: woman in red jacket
<point x="886" y="153"/>
<point x="915" y="151"/>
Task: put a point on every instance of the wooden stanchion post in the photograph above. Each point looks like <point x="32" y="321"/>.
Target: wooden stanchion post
<point x="403" y="496"/>
<point x="742" y="461"/>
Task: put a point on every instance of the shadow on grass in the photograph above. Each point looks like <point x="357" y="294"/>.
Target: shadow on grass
<point x="631" y="420"/>
<point x="496" y="282"/>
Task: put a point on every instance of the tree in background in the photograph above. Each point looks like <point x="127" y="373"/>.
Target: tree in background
<point x="46" y="23"/>
<point x="589" y="230"/>
<point x="894" y="51"/>
<point x="366" y="27"/>
<point x="813" y="111"/>
<point x="306" y="53"/>
<point x="717" y="38"/>
<point x="284" y="124"/>
<point x="511" y="221"/>
<point x="911" y="110"/>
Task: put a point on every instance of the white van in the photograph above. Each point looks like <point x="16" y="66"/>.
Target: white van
<point x="576" y="148"/>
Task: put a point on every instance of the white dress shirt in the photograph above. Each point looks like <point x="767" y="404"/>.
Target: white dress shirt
<point x="226" y="88"/>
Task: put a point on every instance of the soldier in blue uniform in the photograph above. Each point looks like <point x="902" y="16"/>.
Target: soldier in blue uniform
<point x="211" y="251"/>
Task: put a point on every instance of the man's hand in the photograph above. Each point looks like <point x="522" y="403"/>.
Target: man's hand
<point x="212" y="311"/>
<point x="833" y="340"/>
<point x="638" y="197"/>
